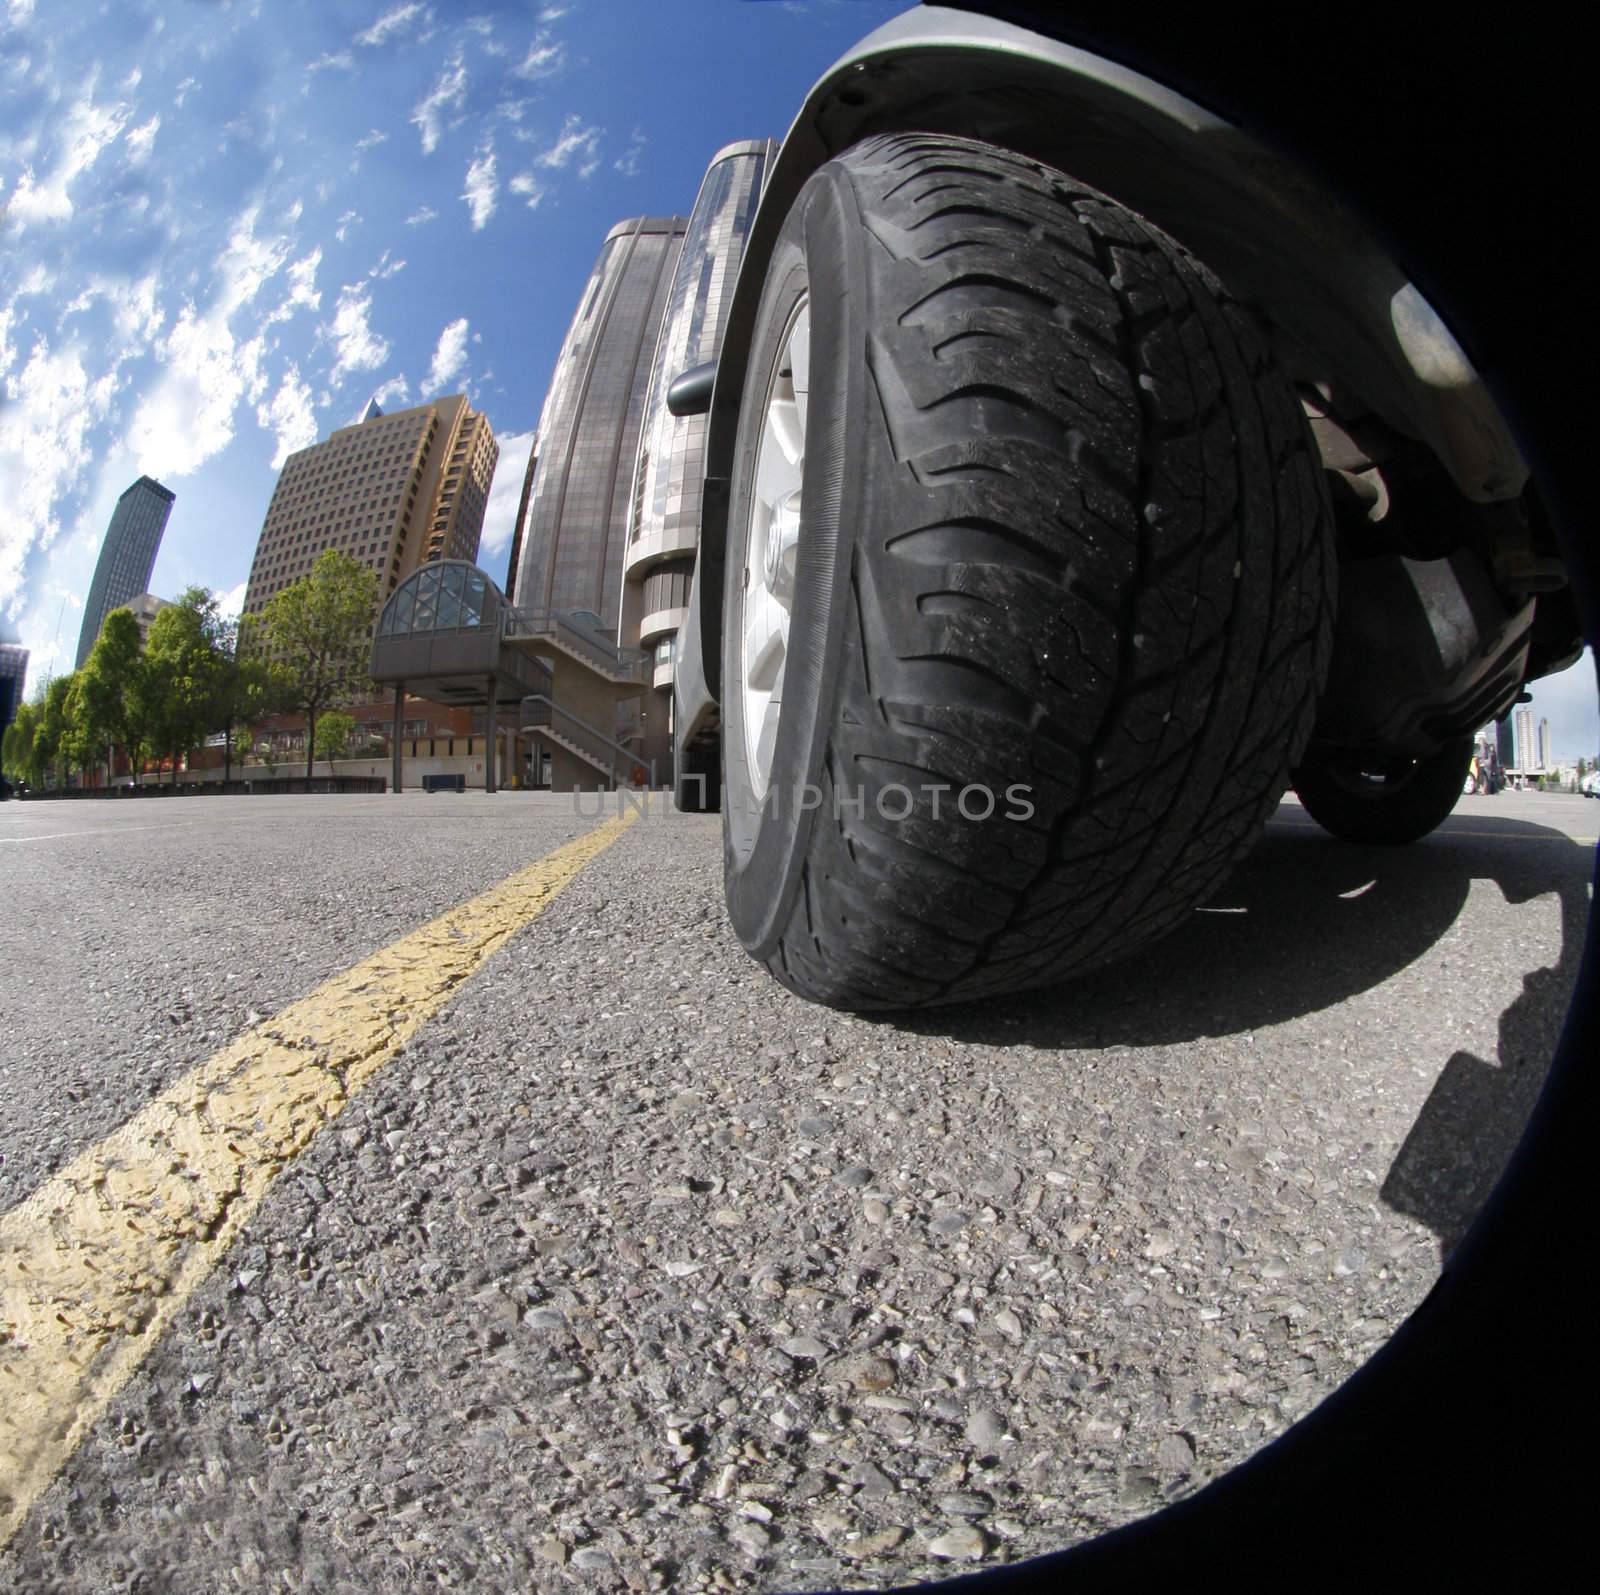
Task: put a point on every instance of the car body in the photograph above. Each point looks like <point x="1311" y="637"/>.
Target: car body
<point x="1452" y="590"/>
<point x="1268" y="228"/>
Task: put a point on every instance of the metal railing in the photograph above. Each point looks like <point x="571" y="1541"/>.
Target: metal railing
<point x="539" y="713"/>
<point x="625" y="664"/>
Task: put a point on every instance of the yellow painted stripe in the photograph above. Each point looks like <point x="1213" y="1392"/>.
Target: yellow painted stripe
<point x="100" y="1259"/>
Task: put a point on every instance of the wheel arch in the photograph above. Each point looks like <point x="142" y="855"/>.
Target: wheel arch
<point x="1275" y="235"/>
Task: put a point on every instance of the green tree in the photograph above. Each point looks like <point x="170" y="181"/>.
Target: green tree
<point x="80" y="743"/>
<point x="113" y="691"/>
<point x="247" y="687"/>
<point x="16" y="752"/>
<point x="49" y="742"/>
<point x="334" y="731"/>
<point x="318" y="631"/>
<point x="182" y="661"/>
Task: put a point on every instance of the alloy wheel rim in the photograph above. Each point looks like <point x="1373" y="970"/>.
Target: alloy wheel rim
<point x="771" y="543"/>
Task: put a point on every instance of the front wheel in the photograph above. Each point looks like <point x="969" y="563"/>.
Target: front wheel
<point x="1029" y="587"/>
<point x="1388" y="801"/>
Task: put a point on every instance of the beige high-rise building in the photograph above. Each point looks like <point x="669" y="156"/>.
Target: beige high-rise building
<point x="393" y="491"/>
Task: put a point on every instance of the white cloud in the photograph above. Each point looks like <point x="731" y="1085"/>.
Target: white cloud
<point x="576" y="142"/>
<point x="136" y="317"/>
<point x="484" y="28"/>
<point x="529" y="186"/>
<point x="356" y="346"/>
<point x="500" y="513"/>
<point x="394" y="391"/>
<point x="231" y="602"/>
<point x="139" y="318"/>
<point x="449" y="357"/>
<point x="448" y="94"/>
<point x="333" y="61"/>
<point x="481" y="190"/>
<point x="86" y="130"/>
<point x="373" y="139"/>
<point x="139" y="140"/>
<point x="187" y="417"/>
<point x="398" y="20"/>
<point x="544" y="59"/>
<point x="303" y="293"/>
<point x="348" y="220"/>
<point x="552" y="13"/>
<point x="289" y="416"/>
<point x="247" y="262"/>
<point x="628" y="163"/>
<point x="47" y="443"/>
<point x="385" y="267"/>
<point x="418" y="217"/>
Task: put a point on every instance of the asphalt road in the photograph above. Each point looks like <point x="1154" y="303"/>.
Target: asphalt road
<point x="626" y="1269"/>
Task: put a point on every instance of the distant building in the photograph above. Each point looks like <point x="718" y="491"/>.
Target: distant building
<point x="127" y="556"/>
<point x="1547" y="753"/>
<point x="1527" y="751"/>
<point x="664" y="511"/>
<point x="1505" y="744"/>
<point x="145" y="607"/>
<point x="392" y="491"/>
<point x="572" y="528"/>
<point x="13" y="678"/>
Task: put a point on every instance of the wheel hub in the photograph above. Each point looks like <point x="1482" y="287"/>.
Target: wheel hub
<point x="772" y="542"/>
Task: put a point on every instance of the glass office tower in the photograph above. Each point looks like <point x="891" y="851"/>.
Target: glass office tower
<point x="13" y="677"/>
<point x="567" y="551"/>
<point x="127" y="556"/>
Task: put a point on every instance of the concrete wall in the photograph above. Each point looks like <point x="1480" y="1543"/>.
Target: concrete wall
<point x="469" y="765"/>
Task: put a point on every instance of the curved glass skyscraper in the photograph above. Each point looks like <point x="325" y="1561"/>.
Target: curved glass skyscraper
<point x="572" y="528"/>
<point x="127" y="556"/>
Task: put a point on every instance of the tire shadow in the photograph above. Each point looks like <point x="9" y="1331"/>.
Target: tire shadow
<point x="1307" y="922"/>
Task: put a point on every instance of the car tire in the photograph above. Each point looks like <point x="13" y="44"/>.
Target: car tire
<point x="1052" y="571"/>
<point x="1390" y="802"/>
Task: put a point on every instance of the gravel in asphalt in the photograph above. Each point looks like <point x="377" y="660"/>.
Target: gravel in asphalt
<point x="635" y="1271"/>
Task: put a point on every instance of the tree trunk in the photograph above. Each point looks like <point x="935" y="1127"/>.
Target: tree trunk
<point x="227" y="753"/>
<point x="311" y="744"/>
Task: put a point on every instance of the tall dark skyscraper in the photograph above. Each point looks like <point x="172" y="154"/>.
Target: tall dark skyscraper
<point x="13" y="676"/>
<point x="568" y="549"/>
<point x="127" y="556"/>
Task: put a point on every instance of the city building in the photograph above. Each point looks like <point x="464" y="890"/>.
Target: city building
<point x="145" y="607"/>
<point x="1505" y="743"/>
<point x="13" y="678"/>
<point x="664" y="507"/>
<point x="127" y="556"/>
<point x="1547" y="753"/>
<point x="392" y="491"/>
<point x="567" y="550"/>
<point x="1527" y="751"/>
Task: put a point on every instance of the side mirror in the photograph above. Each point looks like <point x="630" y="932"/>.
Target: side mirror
<point x="690" y="393"/>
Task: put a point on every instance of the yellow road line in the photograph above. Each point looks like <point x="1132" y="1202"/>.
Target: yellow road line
<point x="101" y="1258"/>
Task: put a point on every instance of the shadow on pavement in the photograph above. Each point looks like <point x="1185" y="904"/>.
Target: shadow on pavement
<point x="1307" y="922"/>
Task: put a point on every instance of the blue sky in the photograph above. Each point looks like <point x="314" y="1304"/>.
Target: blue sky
<point x="226" y="224"/>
